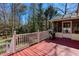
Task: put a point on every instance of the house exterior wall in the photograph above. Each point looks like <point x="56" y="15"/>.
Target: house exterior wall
<point x="75" y="37"/>
<point x="72" y="34"/>
<point x="68" y="35"/>
<point x="59" y="34"/>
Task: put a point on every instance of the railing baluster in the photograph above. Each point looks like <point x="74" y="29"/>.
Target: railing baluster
<point x="27" y="40"/>
<point x="24" y="39"/>
<point x="38" y="35"/>
<point x="17" y="40"/>
<point x="21" y="39"/>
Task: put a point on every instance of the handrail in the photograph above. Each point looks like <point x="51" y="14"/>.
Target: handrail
<point x="4" y="40"/>
<point x="29" y="33"/>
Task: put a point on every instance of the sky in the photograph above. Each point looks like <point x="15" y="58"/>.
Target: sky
<point x="71" y="7"/>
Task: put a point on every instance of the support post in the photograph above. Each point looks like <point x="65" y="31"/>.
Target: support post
<point x="52" y="25"/>
<point x="14" y="42"/>
<point x="62" y="26"/>
<point x="62" y="29"/>
<point x="11" y="47"/>
<point x="71" y="27"/>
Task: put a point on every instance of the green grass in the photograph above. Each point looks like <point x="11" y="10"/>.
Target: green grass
<point x="1" y="47"/>
<point x="2" y="50"/>
<point x="2" y="43"/>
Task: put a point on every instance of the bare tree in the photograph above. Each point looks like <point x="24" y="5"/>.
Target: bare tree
<point x="77" y="9"/>
<point x="3" y="14"/>
<point x="17" y="10"/>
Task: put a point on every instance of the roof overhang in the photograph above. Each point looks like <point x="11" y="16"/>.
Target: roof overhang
<point x="64" y="19"/>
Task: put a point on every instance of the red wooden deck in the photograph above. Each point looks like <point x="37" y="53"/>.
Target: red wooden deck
<point x="41" y="49"/>
<point x="56" y="47"/>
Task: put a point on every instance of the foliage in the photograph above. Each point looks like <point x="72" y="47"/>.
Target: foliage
<point x="49" y="13"/>
<point x="11" y="17"/>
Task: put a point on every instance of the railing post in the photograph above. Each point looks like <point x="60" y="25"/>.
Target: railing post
<point x="14" y="42"/>
<point x="38" y="35"/>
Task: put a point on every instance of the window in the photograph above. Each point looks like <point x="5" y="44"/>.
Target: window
<point x="58" y="27"/>
<point x="76" y="28"/>
<point x="66" y="25"/>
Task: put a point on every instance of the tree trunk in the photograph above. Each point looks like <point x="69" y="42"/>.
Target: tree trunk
<point x="65" y="8"/>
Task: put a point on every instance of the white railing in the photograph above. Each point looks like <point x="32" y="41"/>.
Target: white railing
<point x="44" y="35"/>
<point x="25" y="40"/>
<point x="21" y="41"/>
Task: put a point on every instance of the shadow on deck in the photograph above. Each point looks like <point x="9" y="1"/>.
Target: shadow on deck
<point x="65" y="41"/>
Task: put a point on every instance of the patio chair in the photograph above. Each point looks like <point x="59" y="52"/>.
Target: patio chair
<point x="52" y="34"/>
